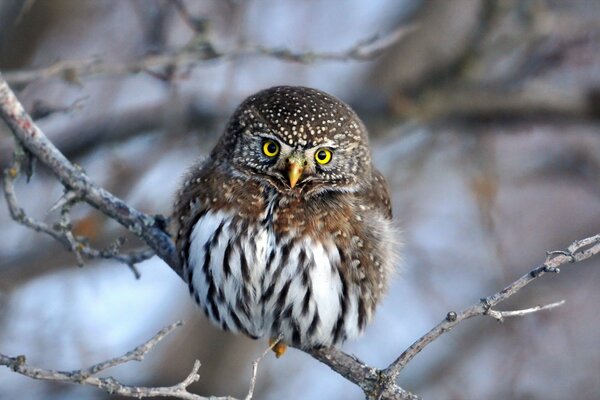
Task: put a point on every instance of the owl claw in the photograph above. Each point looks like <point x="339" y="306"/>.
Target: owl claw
<point x="277" y="346"/>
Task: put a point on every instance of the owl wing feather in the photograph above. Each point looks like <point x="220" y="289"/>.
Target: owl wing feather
<point x="379" y="195"/>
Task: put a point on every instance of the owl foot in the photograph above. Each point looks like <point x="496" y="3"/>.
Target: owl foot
<point x="277" y="346"/>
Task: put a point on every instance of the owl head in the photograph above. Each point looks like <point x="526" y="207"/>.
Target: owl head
<point x="297" y="139"/>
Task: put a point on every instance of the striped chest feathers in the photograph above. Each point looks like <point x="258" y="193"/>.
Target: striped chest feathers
<point x="249" y="279"/>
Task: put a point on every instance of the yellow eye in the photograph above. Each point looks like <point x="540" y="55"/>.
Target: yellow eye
<point x="270" y="148"/>
<point x="323" y="156"/>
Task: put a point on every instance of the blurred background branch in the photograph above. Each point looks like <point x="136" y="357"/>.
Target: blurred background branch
<point x="201" y="50"/>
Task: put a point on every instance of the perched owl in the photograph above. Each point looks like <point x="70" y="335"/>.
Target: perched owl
<point x="286" y="229"/>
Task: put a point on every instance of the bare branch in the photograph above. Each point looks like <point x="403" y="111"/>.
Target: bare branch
<point x="136" y="354"/>
<point x="381" y="384"/>
<point x="17" y="213"/>
<point x="199" y="51"/>
<point x="369" y="379"/>
<point x="61" y="231"/>
<point x="500" y="315"/>
<point x="364" y="50"/>
<point x="579" y="250"/>
<point x="74" y="179"/>
<point x="255" y="369"/>
<point x="111" y="385"/>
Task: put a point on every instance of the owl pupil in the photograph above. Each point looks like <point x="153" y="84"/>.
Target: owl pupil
<point x="271" y="147"/>
<point x="321" y="156"/>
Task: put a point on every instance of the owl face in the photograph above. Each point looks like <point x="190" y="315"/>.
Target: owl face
<point x="298" y="140"/>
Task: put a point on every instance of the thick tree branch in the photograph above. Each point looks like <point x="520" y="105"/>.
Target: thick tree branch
<point x="75" y="180"/>
<point x="369" y="379"/>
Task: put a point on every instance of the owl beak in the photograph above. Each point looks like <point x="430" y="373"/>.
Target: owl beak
<point x="295" y="170"/>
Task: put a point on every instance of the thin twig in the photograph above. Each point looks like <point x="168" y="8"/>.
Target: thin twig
<point x="61" y="231"/>
<point x="87" y="377"/>
<point x="111" y="385"/>
<point x="578" y="251"/>
<point x="500" y="315"/>
<point x="18" y="214"/>
<point x="189" y="56"/>
<point x="136" y="354"/>
<point x="365" y="50"/>
<point x="381" y="384"/>
<point x="255" y="368"/>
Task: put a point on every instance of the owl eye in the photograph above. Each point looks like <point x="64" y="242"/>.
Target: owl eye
<point x="270" y="148"/>
<point x="323" y="156"/>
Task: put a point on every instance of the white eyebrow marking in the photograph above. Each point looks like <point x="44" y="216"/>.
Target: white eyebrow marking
<point x="327" y="143"/>
<point x="267" y="135"/>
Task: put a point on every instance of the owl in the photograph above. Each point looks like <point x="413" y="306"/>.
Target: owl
<point x="285" y="231"/>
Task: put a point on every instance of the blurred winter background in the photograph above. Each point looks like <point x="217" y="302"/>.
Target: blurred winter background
<point x="484" y="120"/>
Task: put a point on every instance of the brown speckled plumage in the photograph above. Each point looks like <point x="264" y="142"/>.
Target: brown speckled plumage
<point x="265" y="256"/>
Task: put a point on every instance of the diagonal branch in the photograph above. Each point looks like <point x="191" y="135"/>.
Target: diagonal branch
<point x="578" y="251"/>
<point x="381" y="384"/>
<point x="111" y="385"/>
<point x="369" y="379"/>
<point x="136" y="354"/>
<point x="29" y="135"/>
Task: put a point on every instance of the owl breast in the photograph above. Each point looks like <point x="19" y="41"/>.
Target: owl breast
<point x="249" y="279"/>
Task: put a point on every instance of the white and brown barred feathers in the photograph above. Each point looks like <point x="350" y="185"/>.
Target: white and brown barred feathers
<point x="309" y="263"/>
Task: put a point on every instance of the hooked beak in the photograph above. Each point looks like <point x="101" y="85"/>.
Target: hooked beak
<point x="295" y="169"/>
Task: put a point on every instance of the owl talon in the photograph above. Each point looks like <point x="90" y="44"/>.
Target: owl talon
<point x="277" y="346"/>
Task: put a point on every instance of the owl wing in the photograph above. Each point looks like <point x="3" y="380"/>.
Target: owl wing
<point x="379" y="195"/>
